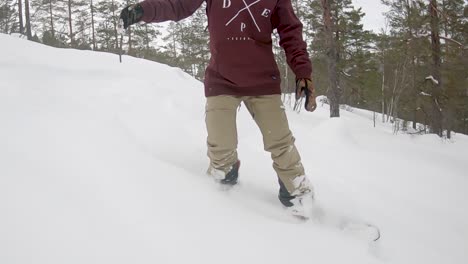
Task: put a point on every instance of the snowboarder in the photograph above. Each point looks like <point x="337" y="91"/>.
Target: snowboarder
<point x="243" y="69"/>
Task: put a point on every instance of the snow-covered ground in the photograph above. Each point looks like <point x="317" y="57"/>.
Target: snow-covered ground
<point x="102" y="162"/>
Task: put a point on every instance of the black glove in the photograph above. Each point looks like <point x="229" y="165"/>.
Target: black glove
<point x="306" y="87"/>
<point x="131" y="14"/>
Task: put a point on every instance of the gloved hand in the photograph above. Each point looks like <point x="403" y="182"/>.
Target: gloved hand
<point x="131" y="14"/>
<point x="305" y="87"/>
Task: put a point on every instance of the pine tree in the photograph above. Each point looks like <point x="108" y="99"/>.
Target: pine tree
<point x="107" y="35"/>
<point x="83" y="26"/>
<point x="359" y="70"/>
<point x="199" y="43"/>
<point x="75" y="8"/>
<point x="187" y="44"/>
<point x="142" y="41"/>
<point x="317" y="45"/>
<point x="437" y="110"/>
<point x="48" y="16"/>
<point x="332" y="38"/>
<point x="8" y="15"/>
<point x="406" y="60"/>
<point x="20" y="16"/>
<point x="428" y="39"/>
<point x="342" y="54"/>
<point x="93" y="30"/>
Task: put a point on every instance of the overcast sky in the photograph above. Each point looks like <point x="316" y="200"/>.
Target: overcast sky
<point x="374" y="19"/>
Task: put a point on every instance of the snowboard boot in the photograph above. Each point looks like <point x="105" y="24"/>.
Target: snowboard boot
<point x="300" y="204"/>
<point x="230" y="178"/>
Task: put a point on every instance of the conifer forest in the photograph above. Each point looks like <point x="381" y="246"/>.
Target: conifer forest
<point x="412" y="72"/>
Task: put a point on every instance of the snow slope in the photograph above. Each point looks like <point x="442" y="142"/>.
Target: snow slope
<point x="102" y="162"/>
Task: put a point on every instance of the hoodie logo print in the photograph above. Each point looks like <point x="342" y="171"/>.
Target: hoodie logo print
<point x="246" y="8"/>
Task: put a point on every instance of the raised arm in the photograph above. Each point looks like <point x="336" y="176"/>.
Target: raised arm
<point x="168" y="10"/>
<point x="290" y="31"/>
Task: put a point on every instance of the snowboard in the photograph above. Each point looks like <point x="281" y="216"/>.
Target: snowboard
<point x="349" y="225"/>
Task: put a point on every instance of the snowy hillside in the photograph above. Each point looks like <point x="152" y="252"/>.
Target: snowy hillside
<point x="102" y="162"/>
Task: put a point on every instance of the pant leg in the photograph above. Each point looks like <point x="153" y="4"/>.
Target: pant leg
<point x="220" y="118"/>
<point x="270" y="116"/>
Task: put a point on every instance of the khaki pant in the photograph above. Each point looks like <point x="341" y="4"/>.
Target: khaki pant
<point x="269" y="114"/>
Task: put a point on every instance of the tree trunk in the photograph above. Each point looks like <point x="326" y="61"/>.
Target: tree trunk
<point x="52" y="30"/>
<point x="116" y="34"/>
<point x="409" y="54"/>
<point x="383" y="76"/>
<point x="20" y="16"/>
<point x="436" y="122"/>
<point x="92" y="26"/>
<point x="465" y="122"/>
<point x="415" y="92"/>
<point x="5" y="15"/>
<point x="334" y="92"/>
<point x="130" y="47"/>
<point x="374" y="117"/>
<point x="147" y="46"/>
<point x="70" y="23"/>
<point x="174" y="51"/>
<point x="28" y="19"/>
<point x="129" y="41"/>
<point x="383" y="88"/>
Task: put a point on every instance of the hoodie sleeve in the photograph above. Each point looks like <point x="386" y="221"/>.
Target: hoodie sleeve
<point x="165" y="10"/>
<point x="290" y="31"/>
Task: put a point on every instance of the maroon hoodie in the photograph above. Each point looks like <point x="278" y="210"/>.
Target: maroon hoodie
<point x="242" y="62"/>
